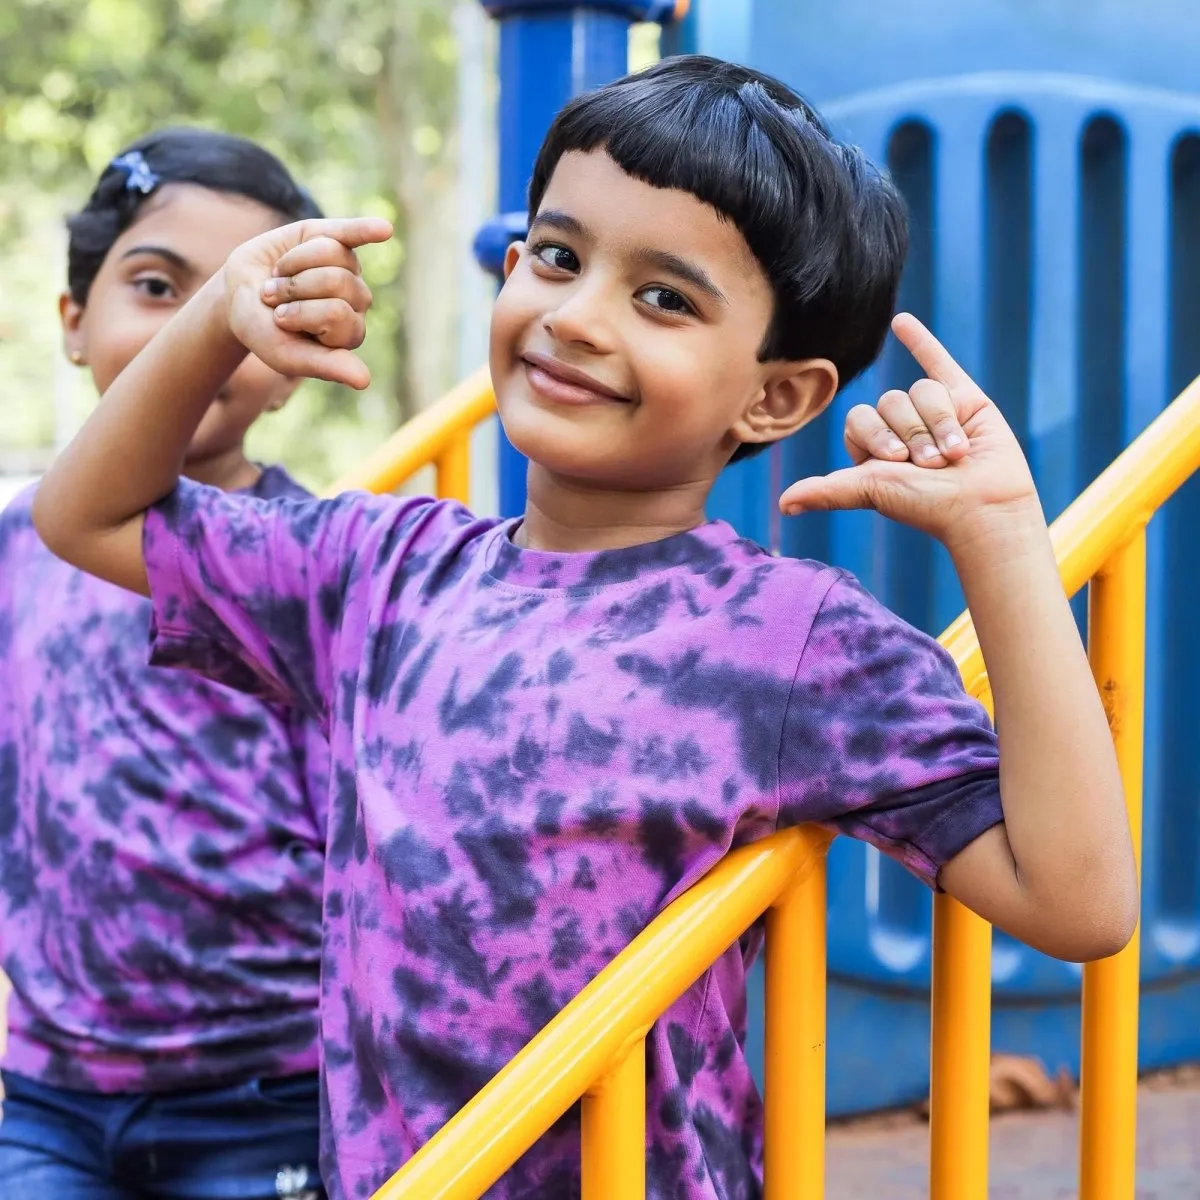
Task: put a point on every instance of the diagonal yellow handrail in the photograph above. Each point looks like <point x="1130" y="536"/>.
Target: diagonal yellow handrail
<point x="438" y="435"/>
<point x="593" y="1050"/>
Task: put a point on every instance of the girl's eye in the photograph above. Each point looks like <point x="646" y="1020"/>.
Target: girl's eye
<point x="557" y="257"/>
<point x="665" y="299"/>
<point x="155" y="286"/>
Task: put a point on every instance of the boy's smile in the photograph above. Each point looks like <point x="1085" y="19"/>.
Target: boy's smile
<point x="625" y="341"/>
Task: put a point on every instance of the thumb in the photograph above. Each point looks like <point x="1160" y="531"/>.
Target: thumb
<point x="352" y="232"/>
<point x="852" y="487"/>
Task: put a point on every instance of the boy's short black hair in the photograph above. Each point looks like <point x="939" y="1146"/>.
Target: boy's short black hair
<point x="829" y="229"/>
<point x="218" y="161"/>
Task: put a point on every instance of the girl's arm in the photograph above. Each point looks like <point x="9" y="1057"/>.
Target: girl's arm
<point x="90" y="505"/>
<point x="1059" y="873"/>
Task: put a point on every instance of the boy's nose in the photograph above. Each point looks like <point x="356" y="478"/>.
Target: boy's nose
<point x="579" y="321"/>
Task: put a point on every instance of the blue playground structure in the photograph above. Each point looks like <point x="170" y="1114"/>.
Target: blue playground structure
<point x="1050" y="155"/>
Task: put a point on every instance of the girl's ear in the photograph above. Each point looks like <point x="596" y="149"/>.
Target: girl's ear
<point x="74" y="337"/>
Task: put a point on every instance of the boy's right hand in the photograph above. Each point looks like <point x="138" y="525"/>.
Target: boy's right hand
<point x="297" y="300"/>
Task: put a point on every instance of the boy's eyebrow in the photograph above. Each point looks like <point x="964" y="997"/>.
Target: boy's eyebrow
<point x="176" y="260"/>
<point x="557" y="219"/>
<point x="681" y="268"/>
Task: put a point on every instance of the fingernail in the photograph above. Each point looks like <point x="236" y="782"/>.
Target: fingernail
<point x="953" y="440"/>
<point x="270" y="287"/>
<point x="926" y="451"/>
<point x="282" y="310"/>
<point x="895" y="446"/>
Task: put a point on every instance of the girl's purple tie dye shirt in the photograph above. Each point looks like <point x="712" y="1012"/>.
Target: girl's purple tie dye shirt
<point x="161" y="858"/>
<point x="533" y="753"/>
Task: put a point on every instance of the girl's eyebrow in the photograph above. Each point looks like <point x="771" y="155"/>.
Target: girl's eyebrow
<point x="176" y="260"/>
<point x="661" y="260"/>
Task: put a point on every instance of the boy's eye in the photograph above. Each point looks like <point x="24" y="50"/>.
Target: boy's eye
<point x="665" y="299"/>
<point x="555" y="256"/>
<point x="155" y="286"/>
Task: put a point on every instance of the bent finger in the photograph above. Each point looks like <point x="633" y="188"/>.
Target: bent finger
<point x="320" y="252"/>
<point x="897" y="409"/>
<point x="319" y="283"/>
<point x="333" y="323"/>
<point x="868" y="435"/>
<point x="302" y="358"/>
<point x="935" y="406"/>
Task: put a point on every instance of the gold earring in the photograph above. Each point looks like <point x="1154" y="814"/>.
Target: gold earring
<point x="77" y="357"/>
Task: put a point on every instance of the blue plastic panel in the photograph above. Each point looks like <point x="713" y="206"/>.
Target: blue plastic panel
<point x="1053" y="177"/>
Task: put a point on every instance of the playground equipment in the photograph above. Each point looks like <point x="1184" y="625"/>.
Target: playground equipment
<point x="1051" y="160"/>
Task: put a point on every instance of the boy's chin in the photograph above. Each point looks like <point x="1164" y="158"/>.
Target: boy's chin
<point x="570" y="453"/>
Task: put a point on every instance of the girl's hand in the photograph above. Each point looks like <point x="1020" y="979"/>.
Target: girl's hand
<point x="297" y="300"/>
<point x="939" y="457"/>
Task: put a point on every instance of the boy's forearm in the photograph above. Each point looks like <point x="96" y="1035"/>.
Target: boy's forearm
<point x="1063" y="804"/>
<point x="131" y="450"/>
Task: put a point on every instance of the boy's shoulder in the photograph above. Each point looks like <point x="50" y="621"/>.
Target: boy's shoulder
<point x="834" y="615"/>
<point x="746" y="572"/>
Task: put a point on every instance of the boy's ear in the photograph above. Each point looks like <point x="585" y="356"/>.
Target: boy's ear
<point x="512" y="256"/>
<point x="793" y="394"/>
<point x="74" y="339"/>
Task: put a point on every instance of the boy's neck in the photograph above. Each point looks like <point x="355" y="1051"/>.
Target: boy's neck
<point x="231" y="471"/>
<point x="568" y="516"/>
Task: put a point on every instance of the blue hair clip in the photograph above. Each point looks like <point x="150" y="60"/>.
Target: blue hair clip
<point x="138" y="176"/>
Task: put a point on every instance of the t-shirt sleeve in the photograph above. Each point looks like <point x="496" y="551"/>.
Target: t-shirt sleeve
<point x="254" y="594"/>
<point x="881" y="742"/>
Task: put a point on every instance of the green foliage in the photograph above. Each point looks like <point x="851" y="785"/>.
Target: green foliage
<point x="323" y="83"/>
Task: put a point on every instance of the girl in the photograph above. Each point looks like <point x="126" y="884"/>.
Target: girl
<point x="160" y="849"/>
<point x="544" y="730"/>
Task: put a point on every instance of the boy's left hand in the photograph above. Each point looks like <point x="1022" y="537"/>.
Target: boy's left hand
<point x="939" y="457"/>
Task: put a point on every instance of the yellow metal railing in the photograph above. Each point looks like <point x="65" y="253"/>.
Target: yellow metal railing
<point x="594" y="1049"/>
<point x="439" y="435"/>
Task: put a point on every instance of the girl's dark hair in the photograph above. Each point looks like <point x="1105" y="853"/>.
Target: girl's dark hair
<point x="218" y="161"/>
<point x="829" y="229"/>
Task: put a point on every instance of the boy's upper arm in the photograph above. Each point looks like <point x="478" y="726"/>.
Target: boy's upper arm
<point x="983" y="876"/>
<point x="115" y="555"/>
<point x="881" y="742"/>
<point x="120" y="559"/>
<point x="252" y="593"/>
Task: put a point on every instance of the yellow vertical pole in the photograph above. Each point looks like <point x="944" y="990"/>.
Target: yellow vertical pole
<point x="794" y="1091"/>
<point x="454" y="469"/>
<point x="960" y="1045"/>
<point x="614" y="1132"/>
<point x="1108" y="1124"/>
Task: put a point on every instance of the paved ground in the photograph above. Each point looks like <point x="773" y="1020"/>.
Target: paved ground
<point x="1033" y="1155"/>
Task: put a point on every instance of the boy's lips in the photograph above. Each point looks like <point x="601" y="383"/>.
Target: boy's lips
<point x="563" y="384"/>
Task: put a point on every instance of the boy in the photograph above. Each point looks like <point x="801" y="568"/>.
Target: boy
<point x="544" y="730"/>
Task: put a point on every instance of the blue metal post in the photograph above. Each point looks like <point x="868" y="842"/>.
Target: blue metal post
<point x="550" y="50"/>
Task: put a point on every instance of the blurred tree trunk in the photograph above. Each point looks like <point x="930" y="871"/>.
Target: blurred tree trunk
<point x="416" y="113"/>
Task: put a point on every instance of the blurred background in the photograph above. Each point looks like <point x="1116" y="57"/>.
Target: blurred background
<point x="384" y="107"/>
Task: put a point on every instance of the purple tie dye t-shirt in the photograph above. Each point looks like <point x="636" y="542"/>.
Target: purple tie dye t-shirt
<point x="161" y="855"/>
<point x="532" y="754"/>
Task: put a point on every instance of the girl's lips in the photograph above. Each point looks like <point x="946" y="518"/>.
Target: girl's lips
<point x="565" y="385"/>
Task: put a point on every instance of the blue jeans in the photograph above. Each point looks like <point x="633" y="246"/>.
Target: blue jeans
<point x="248" y="1141"/>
